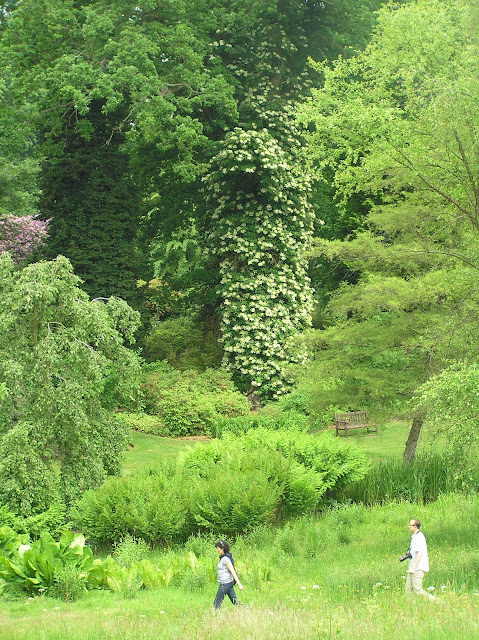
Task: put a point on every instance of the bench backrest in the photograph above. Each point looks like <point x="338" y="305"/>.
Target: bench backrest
<point x="352" y="417"/>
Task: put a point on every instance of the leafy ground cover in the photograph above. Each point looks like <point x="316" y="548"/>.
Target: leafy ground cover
<point x="337" y="576"/>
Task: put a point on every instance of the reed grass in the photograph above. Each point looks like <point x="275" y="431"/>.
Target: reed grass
<point x="421" y="480"/>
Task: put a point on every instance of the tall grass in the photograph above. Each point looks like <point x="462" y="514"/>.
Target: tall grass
<point x="421" y="480"/>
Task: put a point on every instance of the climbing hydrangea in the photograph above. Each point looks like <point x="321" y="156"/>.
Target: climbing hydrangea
<point x="261" y="225"/>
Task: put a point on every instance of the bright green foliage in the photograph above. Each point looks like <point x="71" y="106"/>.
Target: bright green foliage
<point x="18" y="166"/>
<point x="262" y="225"/>
<point x="337" y="463"/>
<point x="265" y="418"/>
<point x="69" y="584"/>
<point x="452" y="402"/>
<point x="364" y="362"/>
<point x="54" y="520"/>
<point x="189" y="402"/>
<point x="299" y="469"/>
<point x="143" y="422"/>
<point x="18" y="170"/>
<point x="421" y="480"/>
<point x="67" y="569"/>
<point x="57" y="349"/>
<point x="130" y="550"/>
<point x="150" y="507"/>
<point x="236" y="494"/>
<point x="399" y="124"/>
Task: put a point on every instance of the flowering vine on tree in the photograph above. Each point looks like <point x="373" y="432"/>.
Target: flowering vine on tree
<point x="262" y="224"/>
<point x="21" y="236"/>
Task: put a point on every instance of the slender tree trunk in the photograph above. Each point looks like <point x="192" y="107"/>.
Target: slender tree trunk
<point x="413" y="437"/>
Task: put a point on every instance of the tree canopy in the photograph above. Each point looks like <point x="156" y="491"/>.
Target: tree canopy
<point x="124" y="105"/>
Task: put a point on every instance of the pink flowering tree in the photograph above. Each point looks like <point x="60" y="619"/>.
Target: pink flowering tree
<point x="21" y="236"/>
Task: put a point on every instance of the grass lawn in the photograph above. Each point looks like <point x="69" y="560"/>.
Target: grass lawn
<point x="146" y="450"/>
<point x="389" y="442"/>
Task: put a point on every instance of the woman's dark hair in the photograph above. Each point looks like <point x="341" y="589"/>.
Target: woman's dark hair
<point x="221" y="544"/>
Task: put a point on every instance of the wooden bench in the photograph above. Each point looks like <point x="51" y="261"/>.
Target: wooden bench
<point x="353" y="420"/>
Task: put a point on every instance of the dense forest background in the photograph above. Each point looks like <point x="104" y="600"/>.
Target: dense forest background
<point x="285" y="191"/>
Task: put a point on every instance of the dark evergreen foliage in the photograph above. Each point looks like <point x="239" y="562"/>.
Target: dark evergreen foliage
<point x="93" y="203"/>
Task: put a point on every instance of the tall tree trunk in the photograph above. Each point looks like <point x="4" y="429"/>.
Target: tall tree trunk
<point x="413" y="437"/>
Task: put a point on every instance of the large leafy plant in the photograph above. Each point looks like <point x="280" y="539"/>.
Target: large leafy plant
<point x="34" y="566"/>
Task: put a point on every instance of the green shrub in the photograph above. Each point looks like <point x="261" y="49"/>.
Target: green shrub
<point x="184" y="343"/>
<point x="155" y="377"/>
<point x="301" y="489"/>
<point x="7" y="517"/>
<point x="293" y="489"/>
<point x="143" y="422"/>
<point x="53" y="520"/>
<point x="189" y="402"/>
<point x="69" y="584"/>
<point x="228" y="486"/>
<point x="201" y="544"/>
<point x="338" y="463"/>
<point x="234" y="502"/>
<point x="299" y="467"/>
<point x="295" y="401"/>
<point x="323" y="419"/>
<point x="27" y="483"/>
<point x="186" y="412"/>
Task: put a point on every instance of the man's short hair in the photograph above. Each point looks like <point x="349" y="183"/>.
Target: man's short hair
<point x="417" y="523"/>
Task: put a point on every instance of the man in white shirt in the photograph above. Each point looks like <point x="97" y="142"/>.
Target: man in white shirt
<point x="419" y="562"/>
